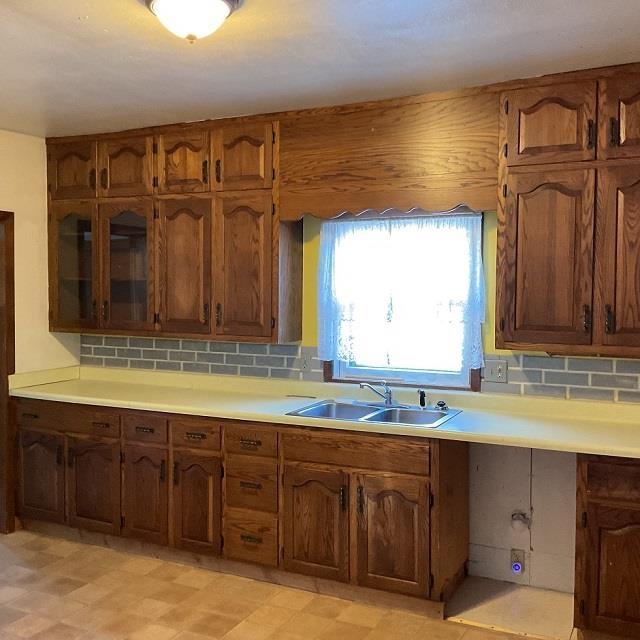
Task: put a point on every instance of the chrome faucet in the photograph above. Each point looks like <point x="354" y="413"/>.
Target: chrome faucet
<point x="387" y="395"/>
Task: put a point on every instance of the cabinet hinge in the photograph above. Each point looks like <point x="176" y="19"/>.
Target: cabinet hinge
<point x="273" y="209"/>
<point x="432" y="581"/>
<point x="122" y="522"/>
<point x="156" y="214"/>
<point x="155" y="181"/>
<point x="504" y="190"/>
<point x="582" y="607"/>
<point x="506" y="149"/>
<point x="156" y="318"/>
<point x="222" y="471"/>
<point x="506" y="106"/>
<point x="122" y="456"/>
<point x="584" y="519"/>
<point x="273" y="174"/>
<point x="431" y="501"/>
<point x="273" y="137"/>
<point x="222" y="542"/>
<point x="273" y="322"/>
<point x="155" y="148"/>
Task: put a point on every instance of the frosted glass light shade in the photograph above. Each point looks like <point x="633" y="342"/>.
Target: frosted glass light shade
<point x="191" y="19"/>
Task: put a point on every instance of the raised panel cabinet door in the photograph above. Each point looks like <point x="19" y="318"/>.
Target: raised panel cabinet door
<point x="242" y="264"/>
<point x="197" y="503"/>
<point x="125" y="167"/>
<point x="619" y="117"/>
<point x="243" y="157"/>
<point x="41" y="490"/>
<point x="550" y="124"/>
<point x="72" y="170"/>
<point x="73" y="265"/>
<point x="316" y="522"/>
<point x="183" y="162"/>
<point x="185" y="265"/>
<point x="93" y="484"/>
<point x="127" y="250"/>
<point x="612" y="564"/>
<point x="545" y="258"/>
<point x="617" y="313"/>
<point x="392" y="548"/>
<point x="145" y="494"/>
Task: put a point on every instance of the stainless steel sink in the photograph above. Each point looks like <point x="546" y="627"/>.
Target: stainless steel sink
<point x="422" y="417"/>
<point x="358" y="412"/>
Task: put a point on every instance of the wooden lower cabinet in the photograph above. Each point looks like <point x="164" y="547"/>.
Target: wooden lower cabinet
<point x="316" y="522"/>
<point x="608" y="546"/>
<point x="197" y="502"/>
<point x="145" y="494"/>
<point x="41" y="491"/>
<point x="392" y="532"/>
<point x="93" y="484"/>
<point x="251" y="536"/>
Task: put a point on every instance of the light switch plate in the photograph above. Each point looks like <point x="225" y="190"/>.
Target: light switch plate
<point x="496" y="371"/>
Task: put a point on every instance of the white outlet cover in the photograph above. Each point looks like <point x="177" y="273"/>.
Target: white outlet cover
<point x="496" y="371"/>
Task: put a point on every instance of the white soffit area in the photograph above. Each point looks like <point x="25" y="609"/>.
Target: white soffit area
<point x="83" y="66"/>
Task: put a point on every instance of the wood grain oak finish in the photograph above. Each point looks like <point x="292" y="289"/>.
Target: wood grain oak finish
<point x="183" y="162"/>
<point x="72" y="169"/>
<point x="251" y="536"/>
<point x="125" y="167"/>
<point x="619" y="117"/>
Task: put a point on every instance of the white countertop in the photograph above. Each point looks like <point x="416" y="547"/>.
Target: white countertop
<point x="557" y="425"/>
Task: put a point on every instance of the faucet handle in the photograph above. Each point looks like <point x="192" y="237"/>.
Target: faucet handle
<point x="422" y="394"/>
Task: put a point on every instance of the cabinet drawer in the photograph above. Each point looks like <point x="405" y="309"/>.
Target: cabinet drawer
<point x="251" y="441"/>
<point x="251" y="483"/>
<point x="614" y="480"/>
<point x="360" y="451"/>
<point x="74" y="418"/>
<point x="251" y="536"/>
<point x="144" y="428"/>
<point x="195" y="434"/>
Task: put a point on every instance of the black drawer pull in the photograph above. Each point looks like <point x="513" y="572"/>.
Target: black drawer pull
<point x="250" y="539"/>
<point x="194" y="435"/>
<point x="30" y="416"/>
<point x="101" y="425"/>
<point x="247" y="443"/>
<point x="145" y="430"/>
<point x="255" y="486"/>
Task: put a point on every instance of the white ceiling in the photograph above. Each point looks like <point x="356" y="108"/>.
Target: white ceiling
<point x="84" y="66"/>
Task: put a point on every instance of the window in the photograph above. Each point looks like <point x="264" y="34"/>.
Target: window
<point x="402" y="299"/>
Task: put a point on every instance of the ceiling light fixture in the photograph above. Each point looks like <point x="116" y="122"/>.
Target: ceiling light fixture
<point x="192" y="19"/>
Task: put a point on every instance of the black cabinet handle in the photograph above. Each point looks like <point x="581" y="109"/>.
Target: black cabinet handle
<point x="194" y="435"/>
<point x="218" y="314"/>
<point x="205" y="312"/>
<point x="30" y="416"/>
<point x="92" y="178"/>
<point x="254" y="486"/>
<point x="247" y="443"/>
<point x="105" y="310"/>
<point x="343" y="498"/>
<point x="218" y="171"/>
<point x="71" y="454"/>
<point x="163" y="471"/>
<point x="101" y="425"/>
<point x="609" y="320"/>
<point x="59" y="455"/>
<point x="104" y="179"/>
<point x="587" y="318"/>
<point x="145" y="430"/>
<point x="250" y="539"/>
<point x="360" y="499"/>
<point x="94" y="309"/>
<point x="205" y="172"/>
<point x="176" y="474"/>
<point x="591" y="134"/>
<point x="614" y="132"/>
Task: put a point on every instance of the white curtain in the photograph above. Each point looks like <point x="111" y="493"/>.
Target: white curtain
<point x="404" y="294"/>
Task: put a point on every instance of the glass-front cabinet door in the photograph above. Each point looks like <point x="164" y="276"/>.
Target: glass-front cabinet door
<point x="73" y="266"/>
<point x="127" y="264"/>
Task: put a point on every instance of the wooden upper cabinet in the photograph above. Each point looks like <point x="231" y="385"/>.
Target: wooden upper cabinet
<point x="184" y="239"/>
<point x="550" y="124"/>
<point x="125" y="167"/>
<point x="72" y="170"/>
<point x="93" y="484"/>
<point x="74" y="272"/>
<point x="617" y="313"/>
<point x="183" y="162"/>
<point x="41" y="484"/>
<point x="242" y="264"/>
<point x="145" y="494"/>
<point x="619" y="113"/>
<point x="316" y="522"/>
<point x="197" y="502"/>
<point x="392" y="550"/>
<point x="127" y="244"/>
<point x="243" y="157"/>
<point x="545" y="258"/>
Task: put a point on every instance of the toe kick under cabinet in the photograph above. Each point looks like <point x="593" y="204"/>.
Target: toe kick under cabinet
<point x="378" y="511"/>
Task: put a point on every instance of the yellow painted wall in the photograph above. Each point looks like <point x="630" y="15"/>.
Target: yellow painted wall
<point x="310" y="262"/>
<point x="23" y="190"/>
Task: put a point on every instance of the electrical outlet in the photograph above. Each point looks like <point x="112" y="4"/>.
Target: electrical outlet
<point x="496" y="371"/>
<point x="517" y="561"/>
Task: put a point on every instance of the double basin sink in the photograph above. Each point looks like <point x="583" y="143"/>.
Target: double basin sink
<point x="359" y="412"/>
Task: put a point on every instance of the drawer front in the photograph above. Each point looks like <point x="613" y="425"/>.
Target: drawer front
<point x="73" y="418"/>
<point x="614" y="481"/>
<point x="251" y="536"/>
<point x="359" y="451"/>
<point x="251" y="483"/>
<point x="144" y="428"/>
<point x="195" y="434"/>
<point x="251" y="441"/>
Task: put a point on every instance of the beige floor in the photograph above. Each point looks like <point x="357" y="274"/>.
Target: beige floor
<point x="54" y="589"/>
